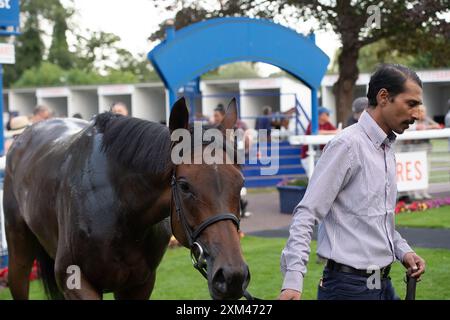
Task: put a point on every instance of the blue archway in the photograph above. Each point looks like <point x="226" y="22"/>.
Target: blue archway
<point x="192" y="51"/>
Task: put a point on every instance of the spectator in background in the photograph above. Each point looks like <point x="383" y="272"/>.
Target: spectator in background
<point x="447" y="121"/>
<point x="422" y="123"/>
<point x="11" y="114"/>
<point x="119" y="108"/>
<point x="77" y="116"/>
<point x="325" y="127"/>
<point x="358" y="106"/>
<point x="17" y="126"/>
<point x="219" y="114"/>
<point x="264" y="122"/>
<point x="40" y="113"/>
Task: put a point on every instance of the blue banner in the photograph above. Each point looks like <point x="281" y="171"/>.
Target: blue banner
<point x="192" y="87"/>
<point x="9" y="13"/>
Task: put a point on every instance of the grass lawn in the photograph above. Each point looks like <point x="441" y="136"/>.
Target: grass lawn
<point x="432" y="218"/>
<point x="177" y="279"/>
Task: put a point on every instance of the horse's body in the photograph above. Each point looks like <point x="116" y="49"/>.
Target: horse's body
<point x="60" y="193"/>
<point x="93" y="195"/>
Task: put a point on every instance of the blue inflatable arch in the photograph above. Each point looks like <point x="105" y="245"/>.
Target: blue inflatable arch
<point x="192" y="51"/>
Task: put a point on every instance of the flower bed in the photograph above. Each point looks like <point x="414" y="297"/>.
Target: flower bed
<point x="416" y="206"/>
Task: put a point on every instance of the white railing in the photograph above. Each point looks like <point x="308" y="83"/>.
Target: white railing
<point x="312" y="140"/>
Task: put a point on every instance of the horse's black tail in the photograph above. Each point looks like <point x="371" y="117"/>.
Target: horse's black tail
<point x="46" y="269"/>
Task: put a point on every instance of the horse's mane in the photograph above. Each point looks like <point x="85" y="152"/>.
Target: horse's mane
<point x="140" y="145"/>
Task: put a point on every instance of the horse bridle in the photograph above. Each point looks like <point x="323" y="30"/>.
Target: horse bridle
<point x="199" y="262"/>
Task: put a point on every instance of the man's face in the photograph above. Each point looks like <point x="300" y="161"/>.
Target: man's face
<point x="120" y="109"/>
<point x="218" y="117"/>
<point x="400" y="112"/>
<point x="324" y="118"/>
<point x="44" y="115"/>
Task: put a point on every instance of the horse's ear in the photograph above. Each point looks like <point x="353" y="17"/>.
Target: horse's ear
<point x="229" y="121"/>
<point x="179" y="115"/>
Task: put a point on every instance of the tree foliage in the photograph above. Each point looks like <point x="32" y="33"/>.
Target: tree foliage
<point x="49" y="74"/>
<point x="59" y="50"/>
<point x="233" y="71"/>
<point x="96" y="56"/>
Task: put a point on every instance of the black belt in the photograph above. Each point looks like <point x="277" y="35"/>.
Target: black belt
<point x="339" y="267"/>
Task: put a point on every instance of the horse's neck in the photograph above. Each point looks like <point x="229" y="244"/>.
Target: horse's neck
<point x="146" y="198"/>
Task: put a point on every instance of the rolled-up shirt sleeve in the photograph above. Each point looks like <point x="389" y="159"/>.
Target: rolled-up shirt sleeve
<point x="332" y="172"/>
<point x="400" y="246"/>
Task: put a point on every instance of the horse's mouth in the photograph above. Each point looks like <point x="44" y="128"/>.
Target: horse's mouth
<point x="229" y="285"/>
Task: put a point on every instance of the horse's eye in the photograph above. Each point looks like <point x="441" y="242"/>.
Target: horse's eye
<point x="184" y="187"/>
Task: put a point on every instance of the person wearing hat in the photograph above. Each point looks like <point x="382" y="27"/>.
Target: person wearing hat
<point x="325" y="127"/>
<point x="17" y="126"/>
<point x="358" y="106"/>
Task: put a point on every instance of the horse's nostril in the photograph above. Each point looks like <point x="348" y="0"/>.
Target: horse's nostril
<point x="230" y="283"/>
<point x="219" y="281"/>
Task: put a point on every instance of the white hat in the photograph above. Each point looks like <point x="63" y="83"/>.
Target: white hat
<point x="18" y="125"/>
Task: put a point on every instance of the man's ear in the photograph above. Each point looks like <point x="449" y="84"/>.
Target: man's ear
<point x="382" y="97"/>
<point x="229" y="121"/>
<point x="179" y="115"/>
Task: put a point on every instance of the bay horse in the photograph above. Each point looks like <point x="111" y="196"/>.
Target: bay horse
<point x="102" y="198"/>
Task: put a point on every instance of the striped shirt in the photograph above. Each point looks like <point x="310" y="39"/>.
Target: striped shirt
<point x="352" y="192"/>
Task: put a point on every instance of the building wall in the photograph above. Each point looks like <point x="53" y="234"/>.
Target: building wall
<point x="431" y="98"/>
<point x="22" y="101"/>
<point x="84" y="102"/>
<point x="149" y="101"/>
<point x="149" y="104"/>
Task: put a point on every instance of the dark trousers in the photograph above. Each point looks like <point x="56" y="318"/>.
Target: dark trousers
<point x="346" y="286"/>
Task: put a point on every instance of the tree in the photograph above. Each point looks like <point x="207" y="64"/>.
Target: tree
<point x="59" y="53"/>
<point x="139" y="66"/>
<point x="351" y="20"/>
<point x="233" y="71"/>
<point x="93" y="51"/>
<point x="434" y="55"/>
<point x="44" y="74"/>
<point x="30" y="48"/>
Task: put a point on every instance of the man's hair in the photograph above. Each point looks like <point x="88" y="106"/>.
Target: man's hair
<point x="41" y="108"/>
<point x="220" y="108"/>
<point x="267" y="110"/>
<point x="360" y="104"/>
<point x="448" y="104"/>
<point x="391" y="77"/>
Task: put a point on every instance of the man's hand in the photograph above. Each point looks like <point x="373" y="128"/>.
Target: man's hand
<point x="289" y="294"/>
<point x="414" y="264"/>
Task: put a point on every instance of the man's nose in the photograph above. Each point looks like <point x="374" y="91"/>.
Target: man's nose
<point x="415" y="113"/>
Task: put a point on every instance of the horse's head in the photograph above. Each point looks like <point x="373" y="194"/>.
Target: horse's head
<point x="205" y="210"/>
